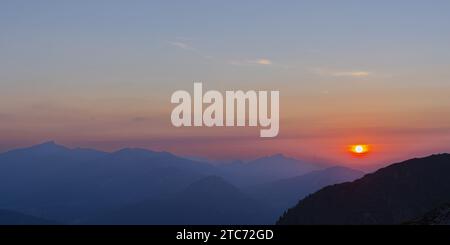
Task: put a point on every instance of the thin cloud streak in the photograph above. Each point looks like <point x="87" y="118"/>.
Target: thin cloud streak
<point x="351" y="74"/>
<point x="340" y="73"/>
<point x="262" y="61"/>
<point x="182" y="45"/>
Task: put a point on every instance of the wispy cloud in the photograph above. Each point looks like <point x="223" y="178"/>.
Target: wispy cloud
<point x="185" y="39"/>
<point x="182" y="45"/>
<point x="351" y="74"/>
<point x="340" y="73"/>
<point x="262" y="61"/>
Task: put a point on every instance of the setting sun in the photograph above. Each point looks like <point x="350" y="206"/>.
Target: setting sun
<point x="359" y="149"/>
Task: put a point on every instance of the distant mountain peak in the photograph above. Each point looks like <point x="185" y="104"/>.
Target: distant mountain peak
<point x="49" y="146"/>
<point x="141" y="152"/>
<point x="278" y="155"/>
<point x="49" y="143"/>
<point x="130" y="150"/>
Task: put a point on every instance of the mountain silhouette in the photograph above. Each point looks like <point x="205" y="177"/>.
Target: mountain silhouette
<point x="285" y="193"/>
<point x="140" y="186"/>
<point x="437" y="216"/>
<point x="53" y="181"/>
<point x="8" y="217"/>
<point x="208" y="201"/>
<point x="392" y="195"/>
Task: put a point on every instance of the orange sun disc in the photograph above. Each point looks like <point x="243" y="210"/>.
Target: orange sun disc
<point x="359" y="149"/>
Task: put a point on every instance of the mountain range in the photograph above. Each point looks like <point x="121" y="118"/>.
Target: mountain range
<point x="392" y="195"/>
<point x="285" y="193"/>
<point x="53" y="184"/>
<point x="78" y="185"/>
<point x="58" y="183"/>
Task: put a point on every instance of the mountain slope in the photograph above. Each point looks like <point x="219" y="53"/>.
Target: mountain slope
<point x="437" y="216"/>
<point x="285" y="193"/>
<point x="208" y="201"/>
<point x="8" y="217"/>
<point x="391" y="195"/>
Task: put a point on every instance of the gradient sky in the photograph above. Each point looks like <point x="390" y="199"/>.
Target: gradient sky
<point x="100" y="74"/>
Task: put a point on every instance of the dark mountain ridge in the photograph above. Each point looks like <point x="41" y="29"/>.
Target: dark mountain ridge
<point x="8" y="217"/>
<point x="285" y="193"/>
<point x="391" y="195"/>
<point x="437" y="216"/>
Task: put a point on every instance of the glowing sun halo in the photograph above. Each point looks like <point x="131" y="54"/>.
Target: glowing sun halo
<point x="359" y="149"/>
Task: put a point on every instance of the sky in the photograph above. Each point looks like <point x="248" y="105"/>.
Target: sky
<point x="100" y="74"/>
